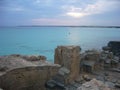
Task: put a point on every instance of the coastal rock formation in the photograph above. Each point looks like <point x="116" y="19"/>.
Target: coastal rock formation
<point x="69" y="57"/>
<point x="17" y="73"/>
<point x="94" y="85"/>
<point x="28" y="78"/>
<point x="90" y="61"/>
<point x="59" y="80"/>
<point x="114" y="46"/>
<point x="71" y="70"/>
<point x="14" y="61"/>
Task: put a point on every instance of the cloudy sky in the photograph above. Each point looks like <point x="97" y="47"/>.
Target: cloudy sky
<point x="59" y="12"/>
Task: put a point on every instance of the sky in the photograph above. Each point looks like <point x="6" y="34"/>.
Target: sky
<point x="60" y="12"/>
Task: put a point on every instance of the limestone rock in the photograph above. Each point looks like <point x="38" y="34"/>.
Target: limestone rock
<point x="28" y="78"/>
<point x="93" y="85"/>
<point x="63" y="71"/>
<point x="34" y="58"/>
<point x="22" y="74"/>
<point x="69" y="57"/>
<point x="86" y="77"/>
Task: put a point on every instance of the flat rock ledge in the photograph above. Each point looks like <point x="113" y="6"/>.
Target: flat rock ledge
<point x="19" y="72"/>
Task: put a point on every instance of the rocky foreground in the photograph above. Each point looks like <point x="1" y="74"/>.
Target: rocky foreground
<point x="73" y="70"/>
<point x="19" y="72"/>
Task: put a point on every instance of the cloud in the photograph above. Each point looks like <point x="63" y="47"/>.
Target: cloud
<point x="6" y="8"/>
<point x="43" y="2"/>
<point x="37" y="1"/>
<point x="75" y="14"/>
<point x="16" y="9"/>
<point x="98" y="7"/>
<point x="62" y="12"/>
<point x="71" y="1"/>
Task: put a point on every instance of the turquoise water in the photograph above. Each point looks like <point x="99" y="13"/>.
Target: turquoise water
<point x="43" y="40"/>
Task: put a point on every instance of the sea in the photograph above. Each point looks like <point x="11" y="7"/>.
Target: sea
<point x="43" y="40"/>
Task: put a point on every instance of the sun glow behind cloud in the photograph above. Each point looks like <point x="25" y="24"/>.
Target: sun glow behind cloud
<point x="98" y="7"/>
<point x="75" y="14"/>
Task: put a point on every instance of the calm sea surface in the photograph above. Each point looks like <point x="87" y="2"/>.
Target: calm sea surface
<point x="43" y="40"/>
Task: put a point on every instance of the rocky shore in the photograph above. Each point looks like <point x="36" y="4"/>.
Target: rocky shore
<point x="72" y="70"/>
<point x="18" y="72"/>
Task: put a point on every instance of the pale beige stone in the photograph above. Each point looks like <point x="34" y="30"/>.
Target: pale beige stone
<point x="69" y="57"/>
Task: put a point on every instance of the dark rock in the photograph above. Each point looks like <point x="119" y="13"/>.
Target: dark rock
<point x="34" y="58"/>
<point x="117" y="85"/>
<point x="106" y="48"/>
<point x="115" y="70"/>
<point x="3" y="69"/>
<point x="90" y="61"/>
<point x="114" y="47"/>
<point x="106" y="74"/>
<point x="86" y="77"/>
<point x="42" y="57"/>
<point x="50" y="84"/>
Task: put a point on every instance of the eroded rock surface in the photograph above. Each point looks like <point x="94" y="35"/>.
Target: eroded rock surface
<point x="69" y="57"/>
<point x="94" y="85"/>
<point x="17" y="73"/>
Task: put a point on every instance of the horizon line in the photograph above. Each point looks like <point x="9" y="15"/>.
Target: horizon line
<point x="92" y="26"/>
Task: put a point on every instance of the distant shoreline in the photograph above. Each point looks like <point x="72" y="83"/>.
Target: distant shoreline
<point x="64" y="26"/>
